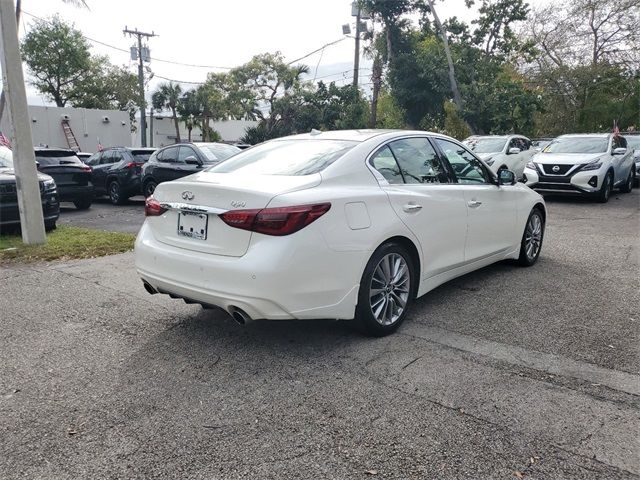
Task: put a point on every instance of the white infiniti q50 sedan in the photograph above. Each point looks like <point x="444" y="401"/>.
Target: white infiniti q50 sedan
<point x="339" y="225"/>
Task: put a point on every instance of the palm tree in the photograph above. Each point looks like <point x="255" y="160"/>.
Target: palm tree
<point x="168" y="96"/>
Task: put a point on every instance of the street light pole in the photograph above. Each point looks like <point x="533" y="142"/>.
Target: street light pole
<point x="24" y="160"/>
<point x="356" y="59"/>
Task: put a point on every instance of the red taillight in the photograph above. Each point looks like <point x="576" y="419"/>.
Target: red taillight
<point x="275" y="221"/>
<point x="86" y="168"/>
<point x="153" y="208"/>
<point x="132" y="165"/>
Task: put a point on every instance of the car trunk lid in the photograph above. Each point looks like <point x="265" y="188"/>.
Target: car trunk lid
<point x="196" y="201"/>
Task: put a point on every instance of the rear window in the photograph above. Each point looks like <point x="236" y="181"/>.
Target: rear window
<point x="217" y="153"/>
<point x="286" y="157"/>
<point x="141" y="155"/>
<point x="57" y="157"/>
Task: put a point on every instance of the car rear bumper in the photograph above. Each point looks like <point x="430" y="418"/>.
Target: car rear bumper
<point x="72" y="192"/>
<point x="276" y="279"/>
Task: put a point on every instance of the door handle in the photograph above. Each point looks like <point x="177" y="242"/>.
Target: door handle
<point x="474" y="203"/>
<point x="410" y="207"/>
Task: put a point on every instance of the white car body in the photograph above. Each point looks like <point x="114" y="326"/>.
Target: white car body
<point x="513" y="152"/>
<point x="315" y="273"/>
<point x="572" y="173"/>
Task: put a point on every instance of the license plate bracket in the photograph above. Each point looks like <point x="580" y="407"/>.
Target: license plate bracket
<point x="193" y="225"/>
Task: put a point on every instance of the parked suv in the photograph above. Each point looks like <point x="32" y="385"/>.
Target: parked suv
<point x="510" y="152"/>
<point x="583" y="164"/>
<point x="72" y="177"/>
<point x="633" y="143"/>
<point x="177" y="161"/>
<point x="9" y="211"/>
<point x="117" y="171"/>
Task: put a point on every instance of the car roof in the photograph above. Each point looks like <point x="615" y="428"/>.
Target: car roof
<point x="352" y="135"/>
<point x="593" y="135"/>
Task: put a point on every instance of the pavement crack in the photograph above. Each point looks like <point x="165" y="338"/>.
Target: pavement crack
<point x="411" y="362"/>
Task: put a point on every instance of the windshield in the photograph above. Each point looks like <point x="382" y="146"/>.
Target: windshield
<point x="48" y="158"/>
<point x="486" y="145"/>
<point x="286" y="157"/>
<point x="633" y="141"/>
<point x="578" y="145"/>
<point x="6" y="162"/>
<point x="217" y="153"/>
<point x="141" y="156"/>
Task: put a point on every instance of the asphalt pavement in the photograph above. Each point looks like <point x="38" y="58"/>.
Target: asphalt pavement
<point x="504" y="373"/>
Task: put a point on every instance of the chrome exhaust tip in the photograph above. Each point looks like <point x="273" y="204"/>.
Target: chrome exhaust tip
<point x="239" y="315"/>
<point x="149" y="288"/>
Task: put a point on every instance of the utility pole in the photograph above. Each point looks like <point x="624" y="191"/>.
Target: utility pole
<point x="24" y="160"/>
<point x="141" y="58"/>
<point x="356" y="59"/>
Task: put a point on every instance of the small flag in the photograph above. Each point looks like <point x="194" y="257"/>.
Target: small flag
<point x="616" y="130"/>
<point x="4" y="141"/>
<point x="100" y="147"/>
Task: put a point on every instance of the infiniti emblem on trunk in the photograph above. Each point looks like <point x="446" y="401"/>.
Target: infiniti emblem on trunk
<point x="556" y="168"/>
<point x="187" y="195"/>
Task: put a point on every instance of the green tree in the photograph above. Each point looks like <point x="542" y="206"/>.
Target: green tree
<point x="167" y="96"/>
<point x="190" y="110"/>
<point x="57" y="57"/>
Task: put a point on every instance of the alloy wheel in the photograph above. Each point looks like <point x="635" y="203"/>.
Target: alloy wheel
<point x="533" y="236"/>
<point x="389" y="289"/>
<point x="114" y="192"/>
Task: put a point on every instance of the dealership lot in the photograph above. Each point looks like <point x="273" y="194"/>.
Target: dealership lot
<point x="503" y="373"/>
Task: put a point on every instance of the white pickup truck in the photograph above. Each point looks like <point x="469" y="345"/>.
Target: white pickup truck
<point x="582" y="164"/>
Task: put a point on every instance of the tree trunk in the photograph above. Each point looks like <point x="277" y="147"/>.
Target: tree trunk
<point x="190" y="134"/>
<point x="390" y="55"/>
<point x="177" y="125"/>
<point x="376" y="79"/>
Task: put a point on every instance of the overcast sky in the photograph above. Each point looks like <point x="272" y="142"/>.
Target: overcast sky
<point x="220" y="33"/>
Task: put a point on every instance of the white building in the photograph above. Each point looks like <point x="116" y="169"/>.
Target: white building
<point x="89" y="127"/>
<point x="164" y="131"/>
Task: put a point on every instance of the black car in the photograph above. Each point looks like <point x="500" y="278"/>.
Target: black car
<point x="116" y="172"/>
<point x="72" y="177"/>
<point x="180" y="160"/>
<point x="9" y="212"/>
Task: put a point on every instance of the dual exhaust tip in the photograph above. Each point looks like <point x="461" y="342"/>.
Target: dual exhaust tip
<point x="240" y="316"/>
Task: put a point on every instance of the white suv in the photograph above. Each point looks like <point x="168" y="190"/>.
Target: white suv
<point x="591" y="164"/>
<point x="511" y="152"/>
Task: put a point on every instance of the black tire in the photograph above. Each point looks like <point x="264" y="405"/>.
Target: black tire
<point x="532" y="235"/>
<point x="391" y="295"/>
<point x="82" y="203"/>
<point x="49" y="226"/>
<point x="115" y="193"/>
<point x="148" y="188"/>
<point x="605" y="189"/>
<point x="628" y="185"/>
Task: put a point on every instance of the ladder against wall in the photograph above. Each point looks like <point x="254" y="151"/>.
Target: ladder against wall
<point x="71" y="138"/>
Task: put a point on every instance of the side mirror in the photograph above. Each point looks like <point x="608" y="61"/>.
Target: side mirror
<point x="506" y="177"/>
<point x="191" y="160"/>
<point x="619" y="151"/>
<point x="513" y="150"/>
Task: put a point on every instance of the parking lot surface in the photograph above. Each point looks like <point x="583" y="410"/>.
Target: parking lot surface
<point x="103" y="215"/>
<point x="503" y="373"/>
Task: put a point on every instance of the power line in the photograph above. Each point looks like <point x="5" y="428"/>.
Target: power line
<point x="317" y="50"/>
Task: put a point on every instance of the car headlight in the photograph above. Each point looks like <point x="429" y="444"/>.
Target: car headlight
<point x="49" y="185"/>
<point x="591" y="166"/>
<point x="489" y="161"/>
<point x="531" y="166"/>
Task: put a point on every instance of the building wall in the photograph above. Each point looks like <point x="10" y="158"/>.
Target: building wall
<point x="164" y="131"/>
<point x="111" y="127"/>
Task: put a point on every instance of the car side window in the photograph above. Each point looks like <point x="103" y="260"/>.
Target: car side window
<point x="468" y="169"/>
<point x="170" y="155"/>
<point x="116" y="156"/>
<point x="186" y="152"/>
<point x="418" y="161"/>
<point x="618" y="142"/>
<point x="514" y="143"/>
<point x="385" y="163"/>
<point x="94" y="159"/>
<point x="107" y="158"/>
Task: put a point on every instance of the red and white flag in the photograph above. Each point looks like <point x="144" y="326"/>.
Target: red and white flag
<point x="4" y="141"/>
<point x="616" y="130"/>
<point x="100" y="147"/>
